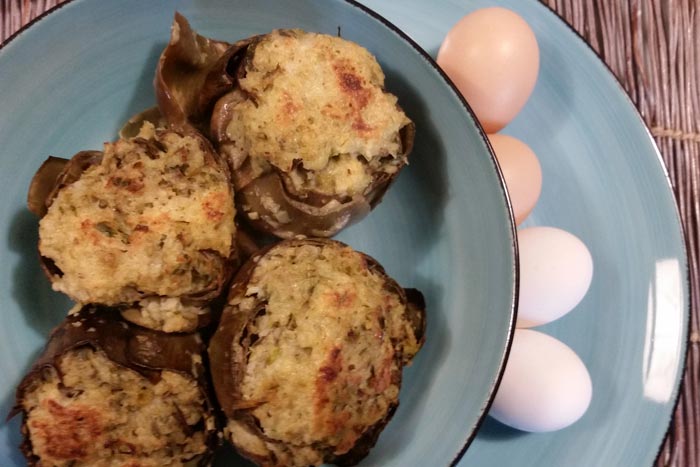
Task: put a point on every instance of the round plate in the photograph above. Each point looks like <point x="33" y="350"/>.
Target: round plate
<point x="70" y="81"/>
<point x="604" y="181"/>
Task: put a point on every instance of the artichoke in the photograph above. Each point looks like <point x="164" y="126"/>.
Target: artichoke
<point x="147" y="225"/>
<point x="312" y="138"/>
<point x="105" y="392"/>
<point x="308" y="356"/>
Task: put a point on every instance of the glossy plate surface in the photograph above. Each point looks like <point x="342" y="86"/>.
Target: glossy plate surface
<point x="603" y="181"/>
<point x="69" y="81"/>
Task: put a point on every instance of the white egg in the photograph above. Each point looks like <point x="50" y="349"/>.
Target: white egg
<point x="545" y="386"/>
<point x="556" y="270"/>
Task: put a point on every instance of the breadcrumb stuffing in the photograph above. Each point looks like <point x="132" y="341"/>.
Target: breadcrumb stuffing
<point x="99" y="414"/>
<point x="155" y="217"/>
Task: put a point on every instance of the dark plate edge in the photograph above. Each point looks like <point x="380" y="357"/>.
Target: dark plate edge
<point x="684" y="237"/>
<point x="514" y="242"/>
<point x="31" y="23"/>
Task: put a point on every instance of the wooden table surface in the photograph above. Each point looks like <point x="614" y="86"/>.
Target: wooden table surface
<point x="653" y="46"/>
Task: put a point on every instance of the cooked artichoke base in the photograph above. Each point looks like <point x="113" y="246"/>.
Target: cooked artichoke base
<point x="101" y="414"/>
<point x="146" y="221"/>
<point x="316" y="97"/>
<point x="285" y="455"/>
<point x="323" y="366"/>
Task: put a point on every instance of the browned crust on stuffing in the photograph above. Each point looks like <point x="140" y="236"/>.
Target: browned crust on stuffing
<point x="71" y="430"/>
<point x="132" y="347"/>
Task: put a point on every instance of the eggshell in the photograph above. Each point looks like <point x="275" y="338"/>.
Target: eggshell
<point x="545" y="386"/>
<point x="556" y="270"/>
<point x="521" y="171"/>
<point x="492" y="57"/>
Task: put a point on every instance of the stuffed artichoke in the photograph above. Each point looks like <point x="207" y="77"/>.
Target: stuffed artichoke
<point x="146" y="225"/>
<point x="312" y="137"/>
<point x="307" y="359"/>
<point x="107" y="393"/>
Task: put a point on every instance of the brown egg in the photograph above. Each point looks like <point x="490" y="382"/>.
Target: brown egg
<point x="522" y="173"/>
<point x="492" y="57"/>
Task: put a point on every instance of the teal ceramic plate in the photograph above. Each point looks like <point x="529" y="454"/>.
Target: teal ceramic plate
<point x="602" y="180"/>
<point x="71" y="79"/>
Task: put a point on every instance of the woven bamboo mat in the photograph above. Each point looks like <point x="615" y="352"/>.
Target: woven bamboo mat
<point x="653" y="46"/>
